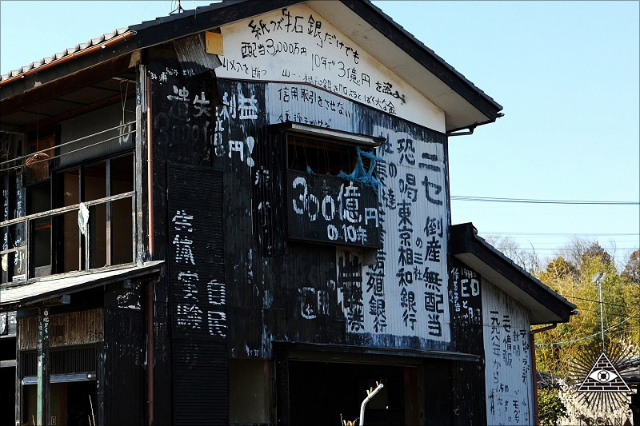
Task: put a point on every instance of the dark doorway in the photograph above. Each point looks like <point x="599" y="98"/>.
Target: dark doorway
<point x="70" y="403"/>
<point x="320" y="392"/>
<point x="81" y="396"/>
<point x="8" y="399"/>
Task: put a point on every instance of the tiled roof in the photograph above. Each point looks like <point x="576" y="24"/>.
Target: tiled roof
<point x="67" y="52"/>
<point x="189" y="16"/>
<point x="104" y="38"/>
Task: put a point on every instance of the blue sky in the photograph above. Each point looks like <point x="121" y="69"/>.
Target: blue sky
<point x="566" y="73"/>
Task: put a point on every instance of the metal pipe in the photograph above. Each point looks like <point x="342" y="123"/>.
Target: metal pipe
<point x="109" y="43"/>
<point x="601" y="315"/>
<point x="545" y="328"/>
<point x="150" y="165"/>
<point x="366" y="400"/>
<point x="150" y="330"/>
<point x="468" y="132"/>
<point x="534" y="368"/>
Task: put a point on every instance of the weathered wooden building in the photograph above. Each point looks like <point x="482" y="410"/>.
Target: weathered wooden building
<point x="241" y="215"/>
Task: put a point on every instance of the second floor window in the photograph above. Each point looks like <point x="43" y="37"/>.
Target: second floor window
<point x="110" y="223"/>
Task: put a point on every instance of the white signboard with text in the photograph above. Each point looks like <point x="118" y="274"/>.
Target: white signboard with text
<point x="295" y="44"/>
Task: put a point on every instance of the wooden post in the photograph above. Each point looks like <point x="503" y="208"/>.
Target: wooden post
<point x="43" y="367"/>
<point x="142" y="119"/>
<point x="18" y="382"/>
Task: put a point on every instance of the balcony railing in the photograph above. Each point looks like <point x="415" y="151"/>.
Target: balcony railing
<point x="17" y="258"/>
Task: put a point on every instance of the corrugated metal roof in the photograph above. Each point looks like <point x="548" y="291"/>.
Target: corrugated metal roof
<point x="57" y="285"/>
<point x="67" y="52"/>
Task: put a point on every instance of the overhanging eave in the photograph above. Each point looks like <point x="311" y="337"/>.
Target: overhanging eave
<point x="545" y="305"/>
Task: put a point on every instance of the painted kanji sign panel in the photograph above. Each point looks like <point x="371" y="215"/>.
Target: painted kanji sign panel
<point x="507" y="348"/>
<point x="399" y="298"/>
<point x="196" y="252"/>
<point x="295" y="44"/>
<point x="332" y="210"/>
<point x="198" y="295"/>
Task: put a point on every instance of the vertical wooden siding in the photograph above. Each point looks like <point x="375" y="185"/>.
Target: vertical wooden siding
<point x="508" y="377"/>
<point x="73" y="328"/>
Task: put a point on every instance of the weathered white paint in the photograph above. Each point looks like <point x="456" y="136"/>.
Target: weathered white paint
<point x="295" y="44"/>
<point x="300" y="103"/>
<point x="508" y="372"/>
<point x="413" y="284"/>
<point x="189" y="316"/>
<point x="413" y="171"/>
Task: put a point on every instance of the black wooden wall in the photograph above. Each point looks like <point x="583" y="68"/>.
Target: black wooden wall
<point x="226" y="180"/>
<point x="190" y="318"/>
<point x="123" y="356"/>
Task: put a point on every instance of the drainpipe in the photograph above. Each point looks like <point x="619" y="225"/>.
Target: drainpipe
<point x="535" y="370"/>
<point x="151" y="288"/>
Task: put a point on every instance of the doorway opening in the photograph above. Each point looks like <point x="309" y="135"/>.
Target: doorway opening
<point x="320" y="392"/>
<point x="70" y="403"/>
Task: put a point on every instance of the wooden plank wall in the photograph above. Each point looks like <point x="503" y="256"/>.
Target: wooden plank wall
<point x="73" y="328"/>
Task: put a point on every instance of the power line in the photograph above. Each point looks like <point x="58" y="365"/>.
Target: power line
<point x="537" y="201"/>
<point x="591" y="335"/>
<point x="562" y="234"/>
<point x="596" y="301"/>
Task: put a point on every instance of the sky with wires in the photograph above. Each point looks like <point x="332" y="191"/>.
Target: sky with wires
<point x="566" y="73"/>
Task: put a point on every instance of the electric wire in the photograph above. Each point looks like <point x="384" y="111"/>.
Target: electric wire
<point x="75" y="150"/>
<point x="539" y="201"/>
<point x="590" y="335"/>
<point x="596" y="301"/>
<point x="42" y="151"/>
<point x="623" y="234"/>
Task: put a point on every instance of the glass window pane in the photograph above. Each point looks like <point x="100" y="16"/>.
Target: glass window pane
<point x="40" y="201"/>
<point x="71" y="242"/>
<point x="95" y="181"/>
<point x="71" y="186"/>
<point x="122" y="226"/>
<point x="98" y="235"/>
<point x="121" y="174"/>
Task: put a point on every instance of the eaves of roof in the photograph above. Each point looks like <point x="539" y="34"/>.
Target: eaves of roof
<point x="38" y="66"/>
<point x="545" y="305"/>
<point x="41" y="290"/>
<point x="160" y="30"/>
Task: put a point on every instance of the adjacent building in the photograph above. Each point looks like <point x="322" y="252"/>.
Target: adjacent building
<point x="241" y="215"/>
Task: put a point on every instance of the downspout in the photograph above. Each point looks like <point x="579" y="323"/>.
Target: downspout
<point x="150" y="330"/>
<point x="534" y="369"/>
<point x="470" y="131"/>
<point x="150" y="165"/>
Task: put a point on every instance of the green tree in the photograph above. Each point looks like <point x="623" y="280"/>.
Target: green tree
<point x="621" y="301"/>
<point x="632" y="269"/>
<point x="558" y="348"/>
<point x="596" y="250"/>
<point x="551" y="408"/>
